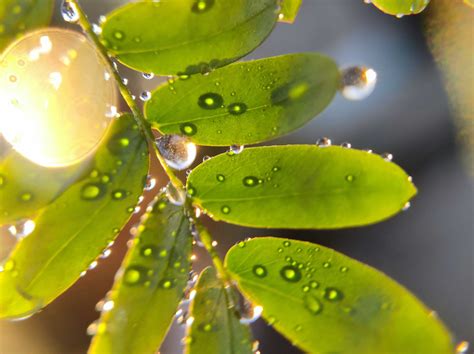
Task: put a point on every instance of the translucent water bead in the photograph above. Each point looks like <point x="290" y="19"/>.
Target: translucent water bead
<point x="178" y="151"/>
<point x="56" y="95"/>
<point x="358" y="82"/>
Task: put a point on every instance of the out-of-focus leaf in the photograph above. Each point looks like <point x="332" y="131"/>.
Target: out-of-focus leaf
<point x="216" y="327"/>
<point x="325" y="302"/>
<point x="73" y="230"/>
<point x="300" y="186"/>
<point x="246" y="103"/>
<point x="151" y="284"/>
<point x="187" y="36"/>
<point x="25" y="187"/>
<point x="401" y="7"/>
<point x="19" y="16"/>
<point x="289" y="10"/>
<point x="449" y="29"/>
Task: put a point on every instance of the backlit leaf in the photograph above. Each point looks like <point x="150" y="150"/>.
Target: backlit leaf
<point x="300" y="186"/>
<point x="151" y="284"/>
<point x="187" y="36"/>
<point x="73" y="230"/>
<point x="325" y="302"/>
<point x="246" y="103"/>
<point x="19" y="16"/>
<point x="401" y="7"/>
<point x="216" y="327"/>
<point x="289" y="10"/>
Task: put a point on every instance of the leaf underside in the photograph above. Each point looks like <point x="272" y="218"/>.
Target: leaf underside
<point x="246" y="103"/>
<point x="300" y="187"/>
<point x="73" y="230"/>
<point x="152" y="280"/>
<point x="325" y="302"/>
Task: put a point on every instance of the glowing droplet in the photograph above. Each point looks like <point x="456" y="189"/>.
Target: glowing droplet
<point x="43" y="117"/>
<point x="260" y="271"/>
<point x="178" y="152"/>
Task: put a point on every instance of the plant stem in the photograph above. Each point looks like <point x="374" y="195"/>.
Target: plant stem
<point x="127" y="96"/>
<point x="144" y="126"/>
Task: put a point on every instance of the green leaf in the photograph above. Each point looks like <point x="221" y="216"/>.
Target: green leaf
<point x="153" y="278"/>
<point x="246" y="103"/>
<point x="401" y="7"/>
<point x="289" y="10"/>
<point x="300" y="186"/>
<point x="73" y="230"/>
<point x="216" y="327"/>
<point x="306" y="289"/>
<point x="26" y="187"/>
<point x="19" y="16"/>
<point x="187" y="36"/>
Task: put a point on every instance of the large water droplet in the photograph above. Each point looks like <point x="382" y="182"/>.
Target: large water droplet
<point x="92" y="191"/>
<point x="290" y="273"/>
<point x="235" y="149"/>
<point x="358" y="82"/>
<point x="175" y="196"/>
<point x="135" y="275"/>
<point x="48" y="126"/>
<point x="178" y="152"/>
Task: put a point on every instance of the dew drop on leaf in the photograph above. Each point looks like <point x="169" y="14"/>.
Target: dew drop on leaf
<point x="312" y="304"/>
<point x="210" y="101"/>
<point x="358" y="82"/>
<point x="250" y="181"/>
<point x="290" y="273"/>
<point x="260" y="271"/>
<point x="201" y="6"/>
<point x="92" y="191"/>
<point x="237" y="109"/>
<point x="188" y="129"/>
<point x="69" y="12"/>
<point x="135" y="275"/>
<point x="178" y="152"/>
<point x="220" y="177"/>
<point x="225" y="209"/>
<point x="333" y="294"/>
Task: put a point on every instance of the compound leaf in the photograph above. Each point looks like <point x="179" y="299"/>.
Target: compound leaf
<point x="300" y="186"/>
<point x="145" y="297"/>
<point x="325" y="302"/>
<point x="246" y="103"/>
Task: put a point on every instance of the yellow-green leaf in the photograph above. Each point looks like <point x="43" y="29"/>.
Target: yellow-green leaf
<point x="246" y="103"/>
<point x="187" y="36"/>
<point x="289" y="10"/>
<point x="216" y="327"/>
<point x="73" y="230"/>
<point x="325" y="302"/>
<point x="401" y="8"/>
<point x="301" y="187"/>
<point x="141" y="306"/>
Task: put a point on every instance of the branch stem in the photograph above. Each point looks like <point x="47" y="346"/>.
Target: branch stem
<point x="125" y="92"/>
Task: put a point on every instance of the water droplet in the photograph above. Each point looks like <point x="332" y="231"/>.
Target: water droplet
<point x="242" y="244"/>
<point x="167" y="283"/>
<point x="400" y="15"/>
<point x="69" y="12"/>
<point x="286" y="243"/>
<point x="235" y="149"/>
<point x="150" y="183"/>
<point x="22" y="229"/>
<point x="237" y="109"/>
<point x="327" y="265"/>
<point x="290" y="273"/>
<point x="387" y="156"/>
<point x="344" y="269"/>
<point x="175" y="196"/>
<point x="260" y="271"/>
<point x="148" y="76"/>
<point x="323" y="142"/>
<point x="92" y="191"/>
<point x="313" y="284"/>
<point x="350" y="178"/>
<point x="250" y="181"/>
<point x="220" y="177"/>
<point x="358" y="82"/>
<point x="178" y="152"/>
<point x="225" y="209"/>
<point x="119" y="194"/>
<point x="251" y="314"/>
<point x="210" y="101"/>
<point x="96" y="29"/>
<point x="406" y="206"/>
<point x="188" y="129"/>
<point x="333" y="294"/>
<point x="462" y="347"/>
<point x="312" y="304"/>
<point x="145" y="96"/>
<point x="135" y="275"/>
<point x="346" y="145"/>
<point x="201" y="6"/>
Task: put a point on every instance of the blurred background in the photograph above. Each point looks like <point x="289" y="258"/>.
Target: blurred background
<point x="429" y="249"/>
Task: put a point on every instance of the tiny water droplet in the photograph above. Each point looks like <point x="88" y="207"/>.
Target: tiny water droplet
<point x="333" y="294"/>
<point x="251" y="314"/>
<point x="286" y="243"/>
<point x="237" y="109"/>
<point x="201" y="6"/>
<point x="220" y="177"/>
<point x="175" y="196"/>
<point x="312" y="304"/>
<point x="350" y="178"/>
<point x="387" y="156"/>
<point x="250" y="181"/>
<point x="225" y="209"/>
<point x="22" y="228"/>
<point x="69" y="12"/>
<point x="145" y="96"/>
<point x="235" y="149"/>
<point x="148" y="76"/>
<point x="346" y="145"/>
<point x="462" y="347"/>
<point x="406" y="206"/>
<point x="290" y="273"/>
<point x="323" y="142"/>
<point x="188" y="129"/>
